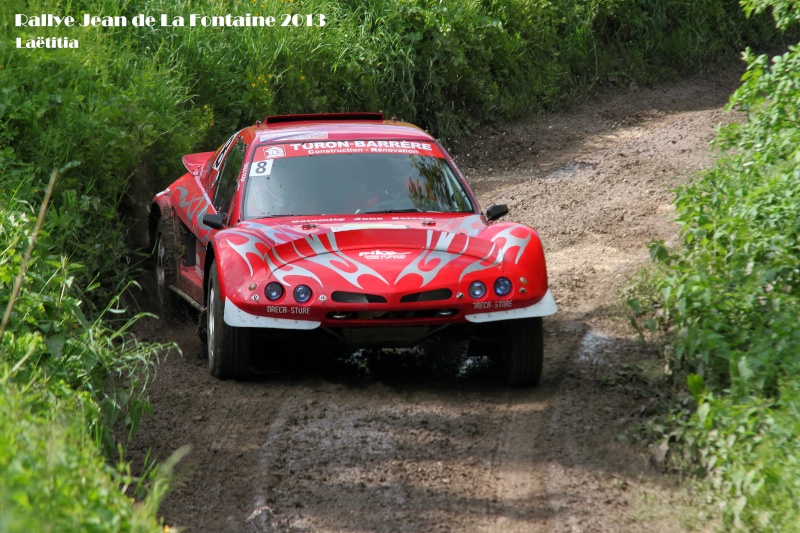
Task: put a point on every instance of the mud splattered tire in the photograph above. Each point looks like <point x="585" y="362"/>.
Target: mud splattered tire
<point x="202" y="333"/>
<point x="166" y="269"/>
<point x="523" y="352"/>
<point x="228" y="347"/>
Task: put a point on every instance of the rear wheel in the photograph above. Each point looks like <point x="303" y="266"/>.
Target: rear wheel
<point x="166" y="268"/>
<point x="228" y="347"/>
<point x="202" y="333"/>
<point x="523" y="352"/>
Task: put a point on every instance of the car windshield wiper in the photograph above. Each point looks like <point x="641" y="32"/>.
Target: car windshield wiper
<point x="385" y="211"/>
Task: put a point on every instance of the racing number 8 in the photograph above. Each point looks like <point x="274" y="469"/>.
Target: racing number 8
<point x="261" y="168"/>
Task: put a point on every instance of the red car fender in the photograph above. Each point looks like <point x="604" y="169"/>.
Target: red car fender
<point x="238" y="255"/>
<point x="520" y="249"/>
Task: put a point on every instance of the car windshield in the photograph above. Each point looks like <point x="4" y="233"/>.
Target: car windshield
<point x="351" y="183"/>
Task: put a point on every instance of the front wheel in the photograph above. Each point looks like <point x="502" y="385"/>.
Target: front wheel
<point x="523" y="352"/>
<point x="228" y="347"/>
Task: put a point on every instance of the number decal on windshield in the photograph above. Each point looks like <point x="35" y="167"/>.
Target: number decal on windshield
<point x="261" y="168"/>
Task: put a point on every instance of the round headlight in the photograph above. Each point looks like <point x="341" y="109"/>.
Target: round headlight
<point x="273" y="290"/>
<point x="502" y="286"/>
<point x="302" y="293"/>
<point x="477" y="290"/>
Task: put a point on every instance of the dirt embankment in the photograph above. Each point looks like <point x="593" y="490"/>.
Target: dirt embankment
<point x="424" y="442"/>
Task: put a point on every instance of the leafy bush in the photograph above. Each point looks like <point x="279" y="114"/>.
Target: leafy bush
<point x="65" y="380"/>
<point x="50" y="479"/>
<point x="49" y="338"/>
<point x="445" y="65"/>
<point x="101" y="108"/>
<point x="730" y="297"/>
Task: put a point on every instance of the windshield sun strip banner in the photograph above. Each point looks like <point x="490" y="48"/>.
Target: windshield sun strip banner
<point x="276" y="151"/>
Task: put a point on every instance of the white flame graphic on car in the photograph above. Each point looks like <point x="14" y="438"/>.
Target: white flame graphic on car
<point x="471" y="226"/>
<point x="510" y="241"/>
<point x="278" y="234"/>
<point x="288" y="269"/>
<point x="436" y="253"/>
<point x="333" y="258"/>
<point x="247" y="247"/>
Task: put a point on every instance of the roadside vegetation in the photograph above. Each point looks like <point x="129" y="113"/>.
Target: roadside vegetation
<point x="115" y="115"/>
<point x="728" y="299"/>
<point x="66" y="378"/>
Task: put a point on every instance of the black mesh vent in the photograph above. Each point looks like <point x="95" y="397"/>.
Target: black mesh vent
<point x="393" y="315"/>
<point x="427" y="296"/>
<point x="357" y="298"/>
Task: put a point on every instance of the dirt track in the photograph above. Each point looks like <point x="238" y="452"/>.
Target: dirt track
<point x="422" y="442"/>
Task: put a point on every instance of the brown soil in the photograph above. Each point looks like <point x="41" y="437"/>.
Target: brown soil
<point x="421" y="441"/>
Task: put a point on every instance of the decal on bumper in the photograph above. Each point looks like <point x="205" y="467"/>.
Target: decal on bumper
<point x="242" y="319"/>
<point x="544" y="307"/>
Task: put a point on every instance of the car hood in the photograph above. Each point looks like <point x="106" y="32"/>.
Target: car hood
<point x="384" y="250"/>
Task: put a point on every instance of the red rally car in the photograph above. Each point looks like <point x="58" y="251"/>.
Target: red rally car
<point x="351" y="225"/>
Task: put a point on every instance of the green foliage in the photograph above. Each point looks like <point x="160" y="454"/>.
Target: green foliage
<point x="783" y="11"/>
<point x="49" y="330"/>
<point x="65" y="381"/>
<point x="445" y="65"/>
<point x="50" y="480"/>
<point x="729" y="299"/>
<point x="103" y="111"/>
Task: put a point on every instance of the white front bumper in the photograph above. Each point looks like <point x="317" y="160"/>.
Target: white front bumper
<point x="242" y="319"/>
<point x="544" y="307"/>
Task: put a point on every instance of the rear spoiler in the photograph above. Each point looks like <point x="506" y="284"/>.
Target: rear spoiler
<point x="318" y="117"/>
<point x="194" y="163"/>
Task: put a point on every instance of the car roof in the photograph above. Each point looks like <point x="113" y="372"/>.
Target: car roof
<point x="333" y="126"/>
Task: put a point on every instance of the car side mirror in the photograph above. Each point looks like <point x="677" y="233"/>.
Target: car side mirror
<point x="496" y="211"/>
<point x="216" y="221"/>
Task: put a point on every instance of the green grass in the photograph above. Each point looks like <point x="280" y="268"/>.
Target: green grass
<point x="51" y="478"/>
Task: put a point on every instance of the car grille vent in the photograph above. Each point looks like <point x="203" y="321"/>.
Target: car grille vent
<point x="357" y="298"/>
<point x="393" y="316"/>
<point x="427" y="296"/>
